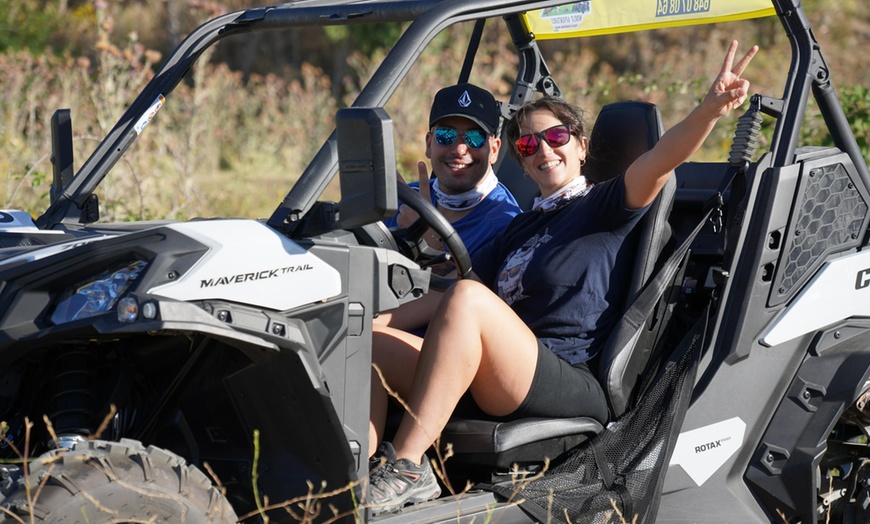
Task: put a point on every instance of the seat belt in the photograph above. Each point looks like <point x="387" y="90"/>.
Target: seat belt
<point x="742" y="148"/>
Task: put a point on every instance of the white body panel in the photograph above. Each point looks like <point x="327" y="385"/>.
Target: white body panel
<point x="700" y="452"/>
<point x="14" y="221"/>
<point x="53" y="249"/>
<point x="250" y="263"/>
<point x="840" y="290"/>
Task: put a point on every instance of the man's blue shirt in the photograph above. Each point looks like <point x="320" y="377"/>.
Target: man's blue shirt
<point x="485" y="220"/>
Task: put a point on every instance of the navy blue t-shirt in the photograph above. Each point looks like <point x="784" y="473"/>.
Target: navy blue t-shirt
<point x="565" y="272"/>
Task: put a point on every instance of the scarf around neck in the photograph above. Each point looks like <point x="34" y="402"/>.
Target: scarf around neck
<point x="469" y="199"/>
<point x="565" y="194"/>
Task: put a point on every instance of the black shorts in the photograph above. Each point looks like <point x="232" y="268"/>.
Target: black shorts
<point x="558" y="390"/>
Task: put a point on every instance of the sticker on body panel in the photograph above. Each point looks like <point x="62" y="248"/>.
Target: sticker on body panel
<point x="701" y="452"/>
<point x="252" y="264"/>
<point x="566" y="17"/>
<point x="146" y="118"/>
<point x="681" y="7"/>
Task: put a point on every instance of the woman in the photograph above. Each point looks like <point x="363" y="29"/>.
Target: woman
<point x="518" y="339"/>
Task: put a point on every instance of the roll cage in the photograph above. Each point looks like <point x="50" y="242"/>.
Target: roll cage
<point x="808" y="73"/>
<point x="73" y="198"/>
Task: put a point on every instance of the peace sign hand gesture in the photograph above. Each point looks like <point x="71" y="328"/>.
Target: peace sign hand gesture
<point x="729" y="91"/>
<point x="408" y="216"/>
<point x="645" y="177"/>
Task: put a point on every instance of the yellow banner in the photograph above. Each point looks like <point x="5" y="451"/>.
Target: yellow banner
<point x="602" y="17"/>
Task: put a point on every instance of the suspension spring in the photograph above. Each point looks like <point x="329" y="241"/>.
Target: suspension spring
<point x="71" y="402"/>
<point x="745" y="137"/>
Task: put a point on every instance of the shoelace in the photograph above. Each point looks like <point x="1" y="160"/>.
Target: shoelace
<point x="380" y="471"/>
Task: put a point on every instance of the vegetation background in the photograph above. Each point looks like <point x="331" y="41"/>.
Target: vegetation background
<point x="232" y="139"/>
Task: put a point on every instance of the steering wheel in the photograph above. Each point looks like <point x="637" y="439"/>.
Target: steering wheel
<point x="417" y="249"/>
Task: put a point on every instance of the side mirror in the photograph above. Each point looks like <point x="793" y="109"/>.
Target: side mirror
<point x="366" y="166"/>
<point x="61" y="152"/>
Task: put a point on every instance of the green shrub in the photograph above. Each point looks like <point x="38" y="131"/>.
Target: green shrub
<point x="855" y="101"/>
<point x="36" y="26"/>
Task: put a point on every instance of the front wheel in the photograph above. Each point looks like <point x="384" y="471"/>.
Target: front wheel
<point x="100" y="482"/>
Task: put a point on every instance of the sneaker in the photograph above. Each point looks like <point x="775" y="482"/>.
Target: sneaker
<point x="401" y="482"/>
<point x="385" y="454"/>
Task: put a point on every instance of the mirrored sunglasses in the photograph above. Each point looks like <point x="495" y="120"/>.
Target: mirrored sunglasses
<point x="556" y="136"/>
<point x="447" y="136"/>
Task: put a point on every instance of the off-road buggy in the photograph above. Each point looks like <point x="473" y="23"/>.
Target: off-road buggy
<point x="210" y="370"/>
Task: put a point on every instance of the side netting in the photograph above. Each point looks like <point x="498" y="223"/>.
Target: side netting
<point x="623" y="468"/>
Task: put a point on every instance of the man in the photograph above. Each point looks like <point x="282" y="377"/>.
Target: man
<point x="462" y="144"/>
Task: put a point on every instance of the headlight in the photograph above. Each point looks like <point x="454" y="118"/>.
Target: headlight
<point x="97" y="295"/>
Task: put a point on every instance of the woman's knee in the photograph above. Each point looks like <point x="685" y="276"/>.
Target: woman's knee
<point x="466" y="295"/>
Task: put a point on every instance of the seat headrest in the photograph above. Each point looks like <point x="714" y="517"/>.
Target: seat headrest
<point x="622" y="132"/>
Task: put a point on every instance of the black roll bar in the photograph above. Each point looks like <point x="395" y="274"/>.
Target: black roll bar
<point x="809" y="73"/>
<point x="381" y="86"/>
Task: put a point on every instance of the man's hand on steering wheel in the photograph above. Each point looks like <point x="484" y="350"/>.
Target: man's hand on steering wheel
<point x="426" y="232"/>
<point x="408" y="216"/>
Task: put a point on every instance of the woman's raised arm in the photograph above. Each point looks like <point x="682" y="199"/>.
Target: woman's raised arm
<point x="648" y="174"/>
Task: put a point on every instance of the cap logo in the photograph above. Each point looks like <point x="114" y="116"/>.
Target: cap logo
<point x="465" y="99"/>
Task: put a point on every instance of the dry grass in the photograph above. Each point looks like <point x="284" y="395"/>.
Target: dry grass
<point x="227" y="144"/>
<point x="220" y="146"/>
<point x="314" y="506"/>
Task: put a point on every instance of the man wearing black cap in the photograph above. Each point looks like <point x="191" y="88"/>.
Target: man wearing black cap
<point x="462" y="144"/>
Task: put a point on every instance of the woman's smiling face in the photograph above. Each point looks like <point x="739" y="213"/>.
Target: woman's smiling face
<point x="551" y="168"/>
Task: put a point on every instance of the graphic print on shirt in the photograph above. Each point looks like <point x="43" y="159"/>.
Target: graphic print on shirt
<point x="510" y="279"/>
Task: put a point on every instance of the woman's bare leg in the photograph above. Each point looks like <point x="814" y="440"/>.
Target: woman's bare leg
<point x="474" y="341"/>
<point x="411" y="315"/>
<point x="395" y="354"/>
